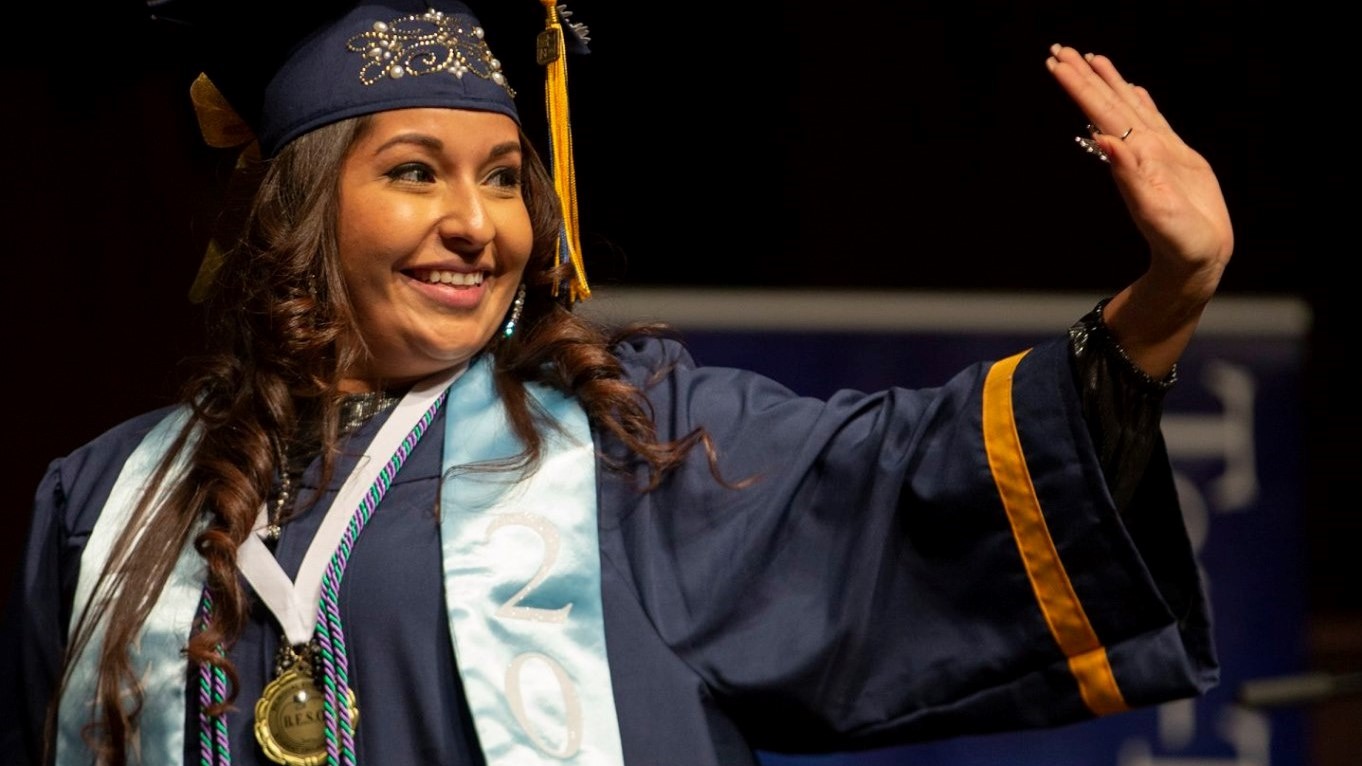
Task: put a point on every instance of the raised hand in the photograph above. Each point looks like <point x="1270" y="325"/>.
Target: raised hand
<point x="1173" y="197"/>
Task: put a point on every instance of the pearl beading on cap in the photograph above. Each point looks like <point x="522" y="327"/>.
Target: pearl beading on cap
<point x="423" y="44"/>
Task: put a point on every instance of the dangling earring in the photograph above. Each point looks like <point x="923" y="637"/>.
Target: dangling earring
<point x="516" y="308"/>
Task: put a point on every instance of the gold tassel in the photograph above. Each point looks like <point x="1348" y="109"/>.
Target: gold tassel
<point x="552" y="54"/>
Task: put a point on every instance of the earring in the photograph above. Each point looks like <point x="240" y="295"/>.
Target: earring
<point x="516" y="308"/>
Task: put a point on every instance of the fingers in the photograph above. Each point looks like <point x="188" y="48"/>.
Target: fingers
<point x="1118" y="112"/>
<point x="1137" y="97"/>
<point x="1147" y="102"/>
<point x="1103" y="67"/>
<point x="1096" y="95"/>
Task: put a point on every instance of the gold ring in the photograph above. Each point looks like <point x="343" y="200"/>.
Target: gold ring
<point x="1126" y="134"/>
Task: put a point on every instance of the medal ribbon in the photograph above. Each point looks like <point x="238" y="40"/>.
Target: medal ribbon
<point x="294" y="603"/>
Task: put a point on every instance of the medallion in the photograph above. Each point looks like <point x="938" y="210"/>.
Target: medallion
<point x="290" y="722"/>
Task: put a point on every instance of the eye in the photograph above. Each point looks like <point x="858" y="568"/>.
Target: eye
<point x="506" y="178"/>
<point x="412" y="172"/>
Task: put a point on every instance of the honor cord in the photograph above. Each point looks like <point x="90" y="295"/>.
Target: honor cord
<point x="213" y="745"/>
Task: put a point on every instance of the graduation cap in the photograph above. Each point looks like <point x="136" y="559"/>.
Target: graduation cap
<point x="274" y="71"/>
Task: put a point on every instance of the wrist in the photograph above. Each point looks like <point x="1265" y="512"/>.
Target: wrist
<point x="1091" y="334"/>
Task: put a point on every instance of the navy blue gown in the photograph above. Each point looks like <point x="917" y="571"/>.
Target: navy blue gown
<point x="866" y="588"/>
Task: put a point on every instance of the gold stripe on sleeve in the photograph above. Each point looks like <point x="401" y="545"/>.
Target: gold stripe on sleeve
<point x="1055" y="594"/>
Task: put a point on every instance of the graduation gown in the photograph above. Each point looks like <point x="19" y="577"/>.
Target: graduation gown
<point x="862" y="577"/>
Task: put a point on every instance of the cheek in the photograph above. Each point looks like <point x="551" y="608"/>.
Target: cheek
<point x="517" y="237"/>
<point x="370" y="237"/>
<point x="354" y="237"/>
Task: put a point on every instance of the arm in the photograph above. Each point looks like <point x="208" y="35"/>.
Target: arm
<point x="33" y="632"/>
<point x="1173" y="198"/>
<point x="34" y="628"/>
<point x="870" y="588"/>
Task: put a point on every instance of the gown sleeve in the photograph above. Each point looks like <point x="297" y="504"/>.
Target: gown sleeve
<point x="888" y="567"/>
<point x="33" y="633"/>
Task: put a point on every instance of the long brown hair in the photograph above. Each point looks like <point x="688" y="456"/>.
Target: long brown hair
<point x="277" y="313"/>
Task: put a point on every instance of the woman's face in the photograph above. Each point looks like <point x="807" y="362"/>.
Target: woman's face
<point x="433" y="235"/>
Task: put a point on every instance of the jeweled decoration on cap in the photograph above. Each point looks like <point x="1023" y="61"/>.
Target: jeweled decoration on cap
<point x="423" y="44"/>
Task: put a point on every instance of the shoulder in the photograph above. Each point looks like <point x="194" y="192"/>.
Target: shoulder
<point x="79" y="481"/>
<point x="644" y="356"/>
<point x="114" y="444"/>
<point x="663" y="368"/>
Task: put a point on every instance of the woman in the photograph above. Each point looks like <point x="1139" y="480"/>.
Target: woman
<point x="413" y="510"/>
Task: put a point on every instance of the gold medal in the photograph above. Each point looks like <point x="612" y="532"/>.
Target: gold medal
<point x="290" y="724"/>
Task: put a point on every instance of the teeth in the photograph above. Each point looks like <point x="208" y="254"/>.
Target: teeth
<point x="458" y="278"/>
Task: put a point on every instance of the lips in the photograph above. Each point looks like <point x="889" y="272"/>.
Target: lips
<point x="451" y="288"/>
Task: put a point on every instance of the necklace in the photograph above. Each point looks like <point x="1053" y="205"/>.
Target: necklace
<point x="357" y="409"/>
<point x="354" y="411"/>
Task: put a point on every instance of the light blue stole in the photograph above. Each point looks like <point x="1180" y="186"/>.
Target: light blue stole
<point x="158" y="657"/>
<point x="522" y="587"/>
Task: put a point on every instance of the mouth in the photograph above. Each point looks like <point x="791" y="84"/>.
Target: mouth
<point x="448" y="277"/>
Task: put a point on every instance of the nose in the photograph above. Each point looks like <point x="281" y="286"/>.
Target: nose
<point x="465" y="224"/>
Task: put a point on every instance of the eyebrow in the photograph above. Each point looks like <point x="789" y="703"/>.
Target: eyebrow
<point x="435" y="145"/>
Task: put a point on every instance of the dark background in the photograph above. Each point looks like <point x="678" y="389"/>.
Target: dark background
<point x="850" y="145"/>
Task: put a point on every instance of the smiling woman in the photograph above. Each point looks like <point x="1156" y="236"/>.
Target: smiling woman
<point x="407" y="478"/>
<point x="433" y="235"/>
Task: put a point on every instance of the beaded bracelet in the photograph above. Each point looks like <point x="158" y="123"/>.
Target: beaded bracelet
<point x="1094" y="326"/>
